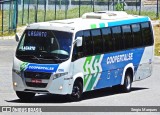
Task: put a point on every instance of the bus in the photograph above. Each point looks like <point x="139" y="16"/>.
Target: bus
<point x="72" y="56"/>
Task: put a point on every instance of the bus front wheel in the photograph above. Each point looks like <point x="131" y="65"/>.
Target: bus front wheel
<point x="25" y="96"/>
<point x="76" y="91"/>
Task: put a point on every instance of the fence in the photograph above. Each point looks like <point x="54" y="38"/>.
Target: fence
<point x="8" y="16"/>
<point x="15" y="13"/>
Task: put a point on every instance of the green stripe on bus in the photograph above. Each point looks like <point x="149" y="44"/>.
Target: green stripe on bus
<point x="90" y="77"/>
<point x="92" y="81"/>
<point x="86" y="77"/>
<point x="101" y="25"/>
<point x="95" y="75"/>
<point x="93" y="26"/>
<point x="87" y="62"/>
<point x="23" y="66"/>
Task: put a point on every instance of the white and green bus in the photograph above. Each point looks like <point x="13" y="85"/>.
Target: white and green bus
<point x="69" y="57"/>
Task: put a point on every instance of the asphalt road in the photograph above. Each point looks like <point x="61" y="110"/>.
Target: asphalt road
<point x="144" y="93"/>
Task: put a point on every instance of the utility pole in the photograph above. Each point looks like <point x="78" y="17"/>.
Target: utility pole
<point x="0" y="6"/>
<point x="157" y="9"/>
<point x="70" y="3"/>
<point x="60" y="3"/>
<point x="21" y="3"/>
<point x="46" y="4"/>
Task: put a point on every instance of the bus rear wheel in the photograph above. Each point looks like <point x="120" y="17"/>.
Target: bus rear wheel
<point x="25" y="96"/>
<point x="126" y="87"/>
<point x="76" y="92"/>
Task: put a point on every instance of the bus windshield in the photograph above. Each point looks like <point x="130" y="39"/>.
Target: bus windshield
<point x="44" y="46"/>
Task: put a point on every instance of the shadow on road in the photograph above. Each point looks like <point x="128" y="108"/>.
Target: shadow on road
<point x="63" y="99"/>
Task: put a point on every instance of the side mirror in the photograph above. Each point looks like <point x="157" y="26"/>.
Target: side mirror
<point x="17" y="37"/>
<point x="79" y="41"/>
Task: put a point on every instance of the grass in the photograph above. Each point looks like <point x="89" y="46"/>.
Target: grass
<point x="157" y="39"/>
<point x="6" y="30"/>
<point x="50" y="15"/>
<point x="0" y="21"/>
<point x="0" y="16"/>
<point x="150" y="14"/>
<point x="60" y="14"/>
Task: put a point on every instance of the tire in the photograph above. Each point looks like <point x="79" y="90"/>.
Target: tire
<point x="126" y="87"/>
<point x="76" y="92"/>
<point x="25" y="96"/>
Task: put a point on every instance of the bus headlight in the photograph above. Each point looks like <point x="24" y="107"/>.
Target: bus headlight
<point x="16" y="71"/>
<point x="15" y="84"/>
<point x="57" y="75"/>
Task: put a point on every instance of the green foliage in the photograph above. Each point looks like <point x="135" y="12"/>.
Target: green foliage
<point x="157" y="39"/>
<point x="50" y="15"/>
<point x="157" y="49"/>
<point x="119" y="7"/>
<point x="150" y="14"/>
<point x="60" y="14"/>
<point x="6" y="33"/>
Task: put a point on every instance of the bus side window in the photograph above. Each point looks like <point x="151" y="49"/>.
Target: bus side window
<point x="137" y="36"/>
<point x="117" y="37"/>
<point x="147" y="35"/>
<point x="97" y="41"/>
<point x="88" y="45"/>
<point x="127" y="34"/>
<point x="108" y="41"/>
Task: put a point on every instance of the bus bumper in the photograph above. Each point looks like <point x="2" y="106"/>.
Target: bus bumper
<point x="54" y="86"/>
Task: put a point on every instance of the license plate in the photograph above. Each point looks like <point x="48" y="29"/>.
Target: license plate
<point x="36" y="81"/>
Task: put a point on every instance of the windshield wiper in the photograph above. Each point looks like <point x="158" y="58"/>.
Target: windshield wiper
<point x="59" y="59"/>
<point x="56" y="57"/>
<point x="50" y="57"/>
<point x="35" y="57"/>
<point x="43" y="58"/>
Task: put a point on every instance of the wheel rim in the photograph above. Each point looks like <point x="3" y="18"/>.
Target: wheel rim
<point x="76" y="92"/>
<point x="128" y="83"/>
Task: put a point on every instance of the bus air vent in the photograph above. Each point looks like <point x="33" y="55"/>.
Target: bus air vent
<point x="105" y="15"/>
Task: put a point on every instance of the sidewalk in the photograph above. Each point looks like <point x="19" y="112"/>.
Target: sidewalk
<point x="155" y="22"/>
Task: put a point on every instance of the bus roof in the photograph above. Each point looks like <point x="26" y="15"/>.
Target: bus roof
<point x="90" y="21"/>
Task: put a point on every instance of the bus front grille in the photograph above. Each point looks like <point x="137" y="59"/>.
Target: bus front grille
<point x="37" y="75"/>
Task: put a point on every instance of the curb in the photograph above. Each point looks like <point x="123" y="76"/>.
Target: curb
<point x="156" y="60"/>
<point x="7" y="37"/>
<point x="157" y="57"/>
<point x="155" y="22"/>
<point x="19" y="32"/>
